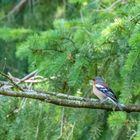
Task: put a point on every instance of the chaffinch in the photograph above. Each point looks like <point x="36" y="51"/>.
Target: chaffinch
<point x="104" y="93"/>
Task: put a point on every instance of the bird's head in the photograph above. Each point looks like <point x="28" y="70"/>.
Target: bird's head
<point x="97" y="79"/>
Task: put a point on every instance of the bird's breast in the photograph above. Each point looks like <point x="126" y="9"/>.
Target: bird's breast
<point x="98" y="93"/>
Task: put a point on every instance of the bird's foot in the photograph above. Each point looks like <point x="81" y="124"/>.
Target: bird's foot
<point x="103" y="101"/>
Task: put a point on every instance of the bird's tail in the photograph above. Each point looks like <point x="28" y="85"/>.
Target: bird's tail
<point x="118" y="104"/>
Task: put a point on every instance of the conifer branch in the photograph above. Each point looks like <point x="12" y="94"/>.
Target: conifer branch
<point x="66" y="102"/>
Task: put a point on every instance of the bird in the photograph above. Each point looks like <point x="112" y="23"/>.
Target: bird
<point x="104" y="93"/>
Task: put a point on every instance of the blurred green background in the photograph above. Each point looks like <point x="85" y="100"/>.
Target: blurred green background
<point x="70" y="42"/>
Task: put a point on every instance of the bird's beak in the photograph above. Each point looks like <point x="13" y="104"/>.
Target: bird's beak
<point x="91" y="82"/>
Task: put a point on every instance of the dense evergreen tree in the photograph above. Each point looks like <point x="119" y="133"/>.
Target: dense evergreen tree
<point x="70" y="42"/>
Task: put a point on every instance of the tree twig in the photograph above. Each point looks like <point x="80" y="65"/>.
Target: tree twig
<point x="7" y="77"/>
<point x="16" y="9"/>
<point x="30" y="75"/>
<point x="15" y="81"/>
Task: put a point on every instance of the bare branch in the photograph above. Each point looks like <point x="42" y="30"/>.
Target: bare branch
<point x="66" y="96"/>
<point x="32" y="74"/>
<point x="16" y="9"/>
<point x="26" y="78"/>
<point x="60" y="99"/>
<point x="15" y="81"/>
<point x="6" y="76"/>
<point x="66" y="102"/>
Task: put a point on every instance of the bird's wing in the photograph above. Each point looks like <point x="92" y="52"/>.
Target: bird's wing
<point x="107" y="91"/>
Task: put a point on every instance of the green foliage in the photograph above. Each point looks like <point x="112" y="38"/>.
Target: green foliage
<point x="9" y="34"/>
<point x="116" y="120"/>
<point x="137" y="134"/>
<point x="70" y="42"/>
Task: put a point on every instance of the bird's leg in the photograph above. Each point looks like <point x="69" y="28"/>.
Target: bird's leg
<point x="103" y="101"/>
